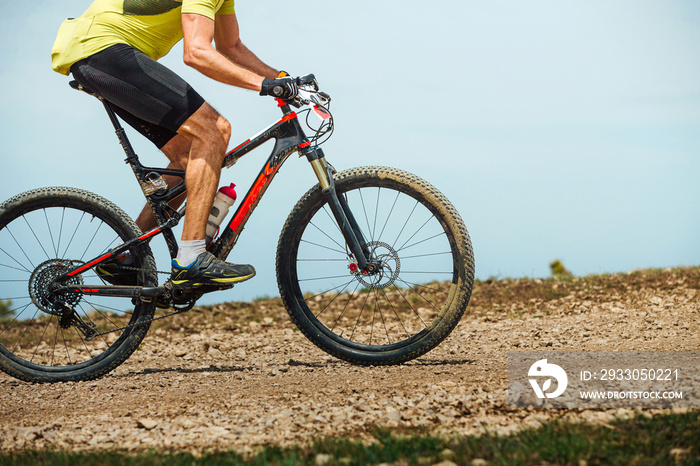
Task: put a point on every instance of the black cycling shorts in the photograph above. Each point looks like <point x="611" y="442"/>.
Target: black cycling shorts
<point x="145" y="94"/>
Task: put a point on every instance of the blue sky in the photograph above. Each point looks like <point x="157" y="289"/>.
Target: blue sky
<point x="564" y="130"/>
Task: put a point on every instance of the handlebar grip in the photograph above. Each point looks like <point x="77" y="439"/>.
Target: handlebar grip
<point x="308" y="79"/>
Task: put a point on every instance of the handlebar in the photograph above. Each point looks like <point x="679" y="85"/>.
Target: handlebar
<point x="309" y="79"/>
<point x="309" y="93"/>
<point x="318" y="103"/>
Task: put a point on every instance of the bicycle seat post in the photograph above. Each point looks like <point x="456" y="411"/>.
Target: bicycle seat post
<point x="131" y="157"/>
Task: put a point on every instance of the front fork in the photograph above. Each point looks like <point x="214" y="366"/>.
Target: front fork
<point x="341" y="211"/>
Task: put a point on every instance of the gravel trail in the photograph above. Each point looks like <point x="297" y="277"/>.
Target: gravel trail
<point x="239" y="375"/>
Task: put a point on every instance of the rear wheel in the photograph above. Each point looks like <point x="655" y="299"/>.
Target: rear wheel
<point x="44" y="334"/>
<point x="420" y="289"/>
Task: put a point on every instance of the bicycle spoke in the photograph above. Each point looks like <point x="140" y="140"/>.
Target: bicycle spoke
<point x="41" y="339"/>
<point x="376" y="212"/>
<point x="14" y="268"/>
<point x="324" y="292"/>
<point x="419" y="294"/>
<point x="371" y="327"/>
<point x="19" y="246"/>
<point x="65" y="345"/>
<point x="414" y="234"/>
<point x="324" y="247"/>
<point x="403" y="248"/>
<point x="73" y="235"/>
<point x="426" y="255"/>
<point x="322" y="278"/>
<point x="116" y="310"/>
<point x="18" y="262"/>
<point x="48" y="226"/>
<point x="362" y="309"/>
<point x="60" y="231"/>
<point x="326" y="234"/>
<point x="388" y="338"/>
<point x="53" y="348"/>
<point x="416" y="285"/>
<point x="396" y="314"/>
<point x="91" y="239"/>
<point x="345" y="307"/>
<point x="25" y="331"/>
<point x="333" y="220"/>
<point x="364" y="210"/>
<point x="393" y="245"/>
<point x="16" y="317"/>
<point x="386" y="222"/>
<point x="322" y="260"/>
<point x="36" y="237"/>
<point x="334" y="297"/>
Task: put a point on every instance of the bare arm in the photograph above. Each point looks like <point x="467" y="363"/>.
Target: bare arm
<point x="198" y="32"/>
<point x="229" y="44"/>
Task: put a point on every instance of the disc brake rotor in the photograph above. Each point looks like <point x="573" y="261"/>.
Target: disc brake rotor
<point x="388" y="266"/>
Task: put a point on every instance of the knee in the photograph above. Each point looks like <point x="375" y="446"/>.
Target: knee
<point x="224" y="129"/>
<point x="209" y="128"/>
<point x="218" y="134"/>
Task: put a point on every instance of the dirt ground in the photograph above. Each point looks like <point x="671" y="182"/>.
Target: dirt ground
<point x="239" y="375"/>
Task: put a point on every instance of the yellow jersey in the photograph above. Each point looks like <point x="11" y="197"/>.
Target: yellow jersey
<point x="152" y="26"/>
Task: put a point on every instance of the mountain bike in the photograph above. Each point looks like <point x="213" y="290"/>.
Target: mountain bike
<point x="374" y="265"/>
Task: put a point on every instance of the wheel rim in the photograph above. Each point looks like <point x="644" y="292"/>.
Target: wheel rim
<point x="417" y="276"/>
<point x="37" y="244"/>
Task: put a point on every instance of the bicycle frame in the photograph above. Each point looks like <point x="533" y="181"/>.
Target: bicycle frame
<point x="289" y="138"/>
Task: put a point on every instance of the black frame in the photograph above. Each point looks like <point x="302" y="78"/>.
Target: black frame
<point x="289" y="138"/>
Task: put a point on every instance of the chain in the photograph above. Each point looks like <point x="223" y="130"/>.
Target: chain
<point x="189" y="306"/>
<point x="181" y="310"/>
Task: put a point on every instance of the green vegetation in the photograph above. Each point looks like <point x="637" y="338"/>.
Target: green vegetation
<point x="5" y="308"/>
<point x="558" y="269"/>
<point x="663" y="439"/>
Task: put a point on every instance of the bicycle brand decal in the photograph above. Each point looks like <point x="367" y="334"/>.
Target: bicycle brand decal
<point x="253" y="196"/>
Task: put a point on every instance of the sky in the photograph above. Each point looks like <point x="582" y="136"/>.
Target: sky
<point x="559" y="130"/>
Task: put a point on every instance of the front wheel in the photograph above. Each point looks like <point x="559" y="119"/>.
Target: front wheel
<point x="420" y="290"/>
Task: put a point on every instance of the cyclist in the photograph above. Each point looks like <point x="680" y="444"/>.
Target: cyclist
<point x="112" y="48"/>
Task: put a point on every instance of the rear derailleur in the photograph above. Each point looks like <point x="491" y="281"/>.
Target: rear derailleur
<point x="69" y="318"/>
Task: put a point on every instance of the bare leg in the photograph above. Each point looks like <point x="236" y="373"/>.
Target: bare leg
<point x="209" y="134"/>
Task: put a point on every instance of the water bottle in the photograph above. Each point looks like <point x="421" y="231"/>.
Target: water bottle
<point x="222" y="203"/>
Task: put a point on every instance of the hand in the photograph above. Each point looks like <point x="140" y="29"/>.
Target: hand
<point x="284" y="88"/>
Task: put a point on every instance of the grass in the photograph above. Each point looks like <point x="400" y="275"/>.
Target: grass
<point x="663" y="439"/>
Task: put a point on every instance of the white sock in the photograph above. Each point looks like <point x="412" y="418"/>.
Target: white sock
<point x="189" y="250"/>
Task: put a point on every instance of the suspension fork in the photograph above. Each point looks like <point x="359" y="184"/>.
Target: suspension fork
<point x="341" y="211"/>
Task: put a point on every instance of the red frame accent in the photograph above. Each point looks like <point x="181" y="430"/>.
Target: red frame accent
<point x="287" y="117"/>
<point x="239" y="146"/>
<point x="150" y="233"/>
<point x="253" y="196"/>
<point x="89" y="264"/>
